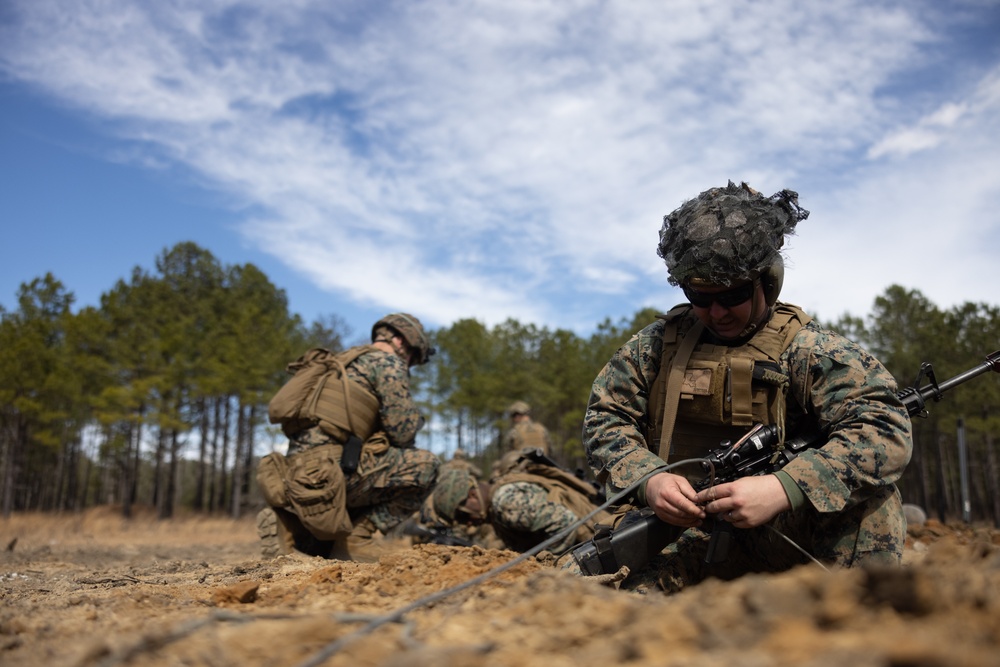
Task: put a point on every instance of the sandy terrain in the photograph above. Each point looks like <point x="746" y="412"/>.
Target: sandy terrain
<point x="92" y="590"/>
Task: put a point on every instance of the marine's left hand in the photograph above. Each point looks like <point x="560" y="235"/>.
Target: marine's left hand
<point x="746" y="502"/>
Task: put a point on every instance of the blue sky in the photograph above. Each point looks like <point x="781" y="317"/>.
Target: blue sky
<point x="495" y="159"/>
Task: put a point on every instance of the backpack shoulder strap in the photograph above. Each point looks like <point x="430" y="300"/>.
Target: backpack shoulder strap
<point x="675" y="378"/>
<point x="664" y="395"/>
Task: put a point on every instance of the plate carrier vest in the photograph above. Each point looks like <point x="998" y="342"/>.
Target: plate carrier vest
<point x="705" y="394"/>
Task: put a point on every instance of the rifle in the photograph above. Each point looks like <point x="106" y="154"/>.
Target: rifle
<point x="436" y="535"/>
<point x="536" y="455"/>
<point x="640" y="535"/>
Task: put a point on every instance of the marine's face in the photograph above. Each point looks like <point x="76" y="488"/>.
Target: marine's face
<point x="405" y="351"/>
<point x="471" y="511"/>
<point x="727" y="310"/>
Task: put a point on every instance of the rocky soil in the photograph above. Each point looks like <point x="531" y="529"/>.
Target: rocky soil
<point x="93" y="590"/>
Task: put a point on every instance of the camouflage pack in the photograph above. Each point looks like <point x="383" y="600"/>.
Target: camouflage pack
<point x="321" y="394"/>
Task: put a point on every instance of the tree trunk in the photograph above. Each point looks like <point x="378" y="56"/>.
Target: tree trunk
<point x="82" y="500"/>
<point x="248" y="467"/>
<point x="237" y="494"/>
<point x="925" y="479"/>
<point x="12" y="461"/>
<point x="170" y="482"/>
<point x="942" y="490"/>
<point x="55" y="490"/>
<point x="992" y="475"/>
<point x="73" y="474"/>
<point x="133" y="459"/>
<point x="160" y="455"/>
<point x="199" y="489"/>
<point x="213" y="496"/>
<point x="224" y="454"/>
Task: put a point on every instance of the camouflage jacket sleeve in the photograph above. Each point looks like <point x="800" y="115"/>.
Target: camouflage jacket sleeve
<point x="850" y="395"/>
<point x="387" y="376"/>
<point x="615" y="423"/>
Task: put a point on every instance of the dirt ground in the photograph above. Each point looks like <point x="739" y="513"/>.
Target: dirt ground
<point x="93" y="590"/>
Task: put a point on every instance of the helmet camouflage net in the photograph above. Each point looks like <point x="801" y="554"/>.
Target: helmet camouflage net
<point x="728" y="235"/>
<point x="410" y="328"/>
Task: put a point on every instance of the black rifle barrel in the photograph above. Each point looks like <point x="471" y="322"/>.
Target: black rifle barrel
<point x="992" y="363"/>
<point x="915" y="398"/>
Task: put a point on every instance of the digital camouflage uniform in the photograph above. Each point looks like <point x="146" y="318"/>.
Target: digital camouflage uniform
<point x="846" y="509"/>
<point x="523" y="507"/>
<point x="387" y="487"/>
<point x="852" y="512"/>
<point x="523" y="516"/>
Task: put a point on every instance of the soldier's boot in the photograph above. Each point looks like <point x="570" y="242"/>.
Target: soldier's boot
<point x="275" y="538"/>
<point x="365" y="544"/>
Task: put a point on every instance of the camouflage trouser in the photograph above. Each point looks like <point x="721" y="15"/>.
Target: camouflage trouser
<point x="523" y="516"/>
<point x="389" y="487"/>
<point x="867" y="533"/>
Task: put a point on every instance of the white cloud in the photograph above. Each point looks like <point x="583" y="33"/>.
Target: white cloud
<point x="929" y="132"/>
<point x="926" y="223"/>
<point x="489" y="151"/>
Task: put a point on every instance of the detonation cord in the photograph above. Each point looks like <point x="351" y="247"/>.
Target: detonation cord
<point x="397" y="616"/>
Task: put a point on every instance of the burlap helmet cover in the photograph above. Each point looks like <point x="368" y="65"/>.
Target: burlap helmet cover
<point x="726" y="236"/>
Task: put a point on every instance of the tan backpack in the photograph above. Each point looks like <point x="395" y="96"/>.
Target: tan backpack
<point x="321" y="394"/>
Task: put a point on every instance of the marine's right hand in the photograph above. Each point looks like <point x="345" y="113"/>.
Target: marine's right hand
<point x="673" y="499"/>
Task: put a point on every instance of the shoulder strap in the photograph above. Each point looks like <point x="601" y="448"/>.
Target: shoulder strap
<point x="350" y="354"/>
<point x="674" y="381"/>
<point x="781" y="328"/>
<point x="658" y="387"/>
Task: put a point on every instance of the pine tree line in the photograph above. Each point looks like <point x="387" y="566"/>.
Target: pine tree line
<point x="159" y="396"/>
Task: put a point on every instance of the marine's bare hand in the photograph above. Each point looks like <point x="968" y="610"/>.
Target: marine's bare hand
<point x="674" y="500"/>
<point x="746" y="502"/>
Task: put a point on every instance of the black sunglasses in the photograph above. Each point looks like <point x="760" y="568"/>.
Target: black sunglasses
<point x="727" y="299"/>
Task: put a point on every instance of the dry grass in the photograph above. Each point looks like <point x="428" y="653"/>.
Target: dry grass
<point x="106" y="525"/>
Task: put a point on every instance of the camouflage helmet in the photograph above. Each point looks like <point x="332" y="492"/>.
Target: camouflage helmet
<point x="412" y="331"/>
<point x="519" y="408"/>
<point x="730" y="235"/>
<point x="452" y="489"/>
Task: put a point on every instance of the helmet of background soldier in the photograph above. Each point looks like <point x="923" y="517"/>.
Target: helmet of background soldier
<point x="519" y="408"/>
<point x="412" y="331"/>
<point x="731" y="235"/>
<point x="451" y="490"/>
